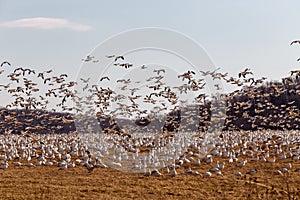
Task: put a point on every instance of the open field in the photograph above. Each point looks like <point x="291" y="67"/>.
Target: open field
<point x="57" y="166"/>
<point x="246" y="146"/>
<point x="104" y="183"/>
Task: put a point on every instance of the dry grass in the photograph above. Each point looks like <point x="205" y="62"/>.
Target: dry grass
<point x="76" y="183"/>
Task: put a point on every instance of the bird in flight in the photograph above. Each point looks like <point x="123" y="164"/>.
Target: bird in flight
<point x="88" y="58"/>
<point x="110" y="56"/>
<point x="295" y="42"/>
<point x="143" y="67"/>
<point x="85" y="80"/>
<point x="5" y="63"/>
<point x="295" y="72"/>
<point x="105" y="77"/>
<point x="245" y="73"/>
<point x="119" y="57"/>
<point x="159" y="70"/>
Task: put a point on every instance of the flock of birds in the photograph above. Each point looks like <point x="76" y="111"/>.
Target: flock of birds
<point x="126" y="149"/>
<point x="235" y="150"/>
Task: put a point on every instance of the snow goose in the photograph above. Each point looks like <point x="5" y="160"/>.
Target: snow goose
<point x="155" y="172"/>
<point x="278" y="172"/>
<point x="242" y="163"/>
<point x="251" y="171"/>
<point x="17" y="163"/>
<point x="237" y="173"/>
<point x="219" y="173"/>
<point x="4" y="166"/>
<point x="173" y="172"/>
<point x="207" y="174"/>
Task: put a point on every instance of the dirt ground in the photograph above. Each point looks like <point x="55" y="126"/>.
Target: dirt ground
<point x="105" y="183"/>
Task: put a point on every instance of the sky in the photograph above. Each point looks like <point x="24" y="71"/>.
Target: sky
<point x="235" y="34"/>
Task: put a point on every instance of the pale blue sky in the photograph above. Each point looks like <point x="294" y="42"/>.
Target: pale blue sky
<point x="236" y="34"/>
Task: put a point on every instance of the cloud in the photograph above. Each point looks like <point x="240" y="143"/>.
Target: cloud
<point x="46" y="23"/>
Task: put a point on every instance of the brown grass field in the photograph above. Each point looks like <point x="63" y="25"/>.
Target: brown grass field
<point x="105" y="183"/>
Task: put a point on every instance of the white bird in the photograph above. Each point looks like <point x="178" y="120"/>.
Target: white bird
<point x="242" y="163"/>
<point x="237" y="173"/>
<point x="173" y="172"/>
<point x="29" y="158"/>
<point x="251" y="172"/>
<point x="17" y="163"/>
<point x="71" y="165"/>
<point x="221" y="167"/>
<point x="208" y="174"/>
<point x="38" y="163"/>
<point x="215" y="168"/>
<point x="284" y="170"/>
<point x="102" y="165"/>
<point x="155" y="172"/>
<point x="278" y="172"/>
<point x="296" y="157"/>
<point x="196" y="173"/>
<point x="180" y="162"/>
<point x="189" y="171"/>
<point x="219" y="173"/>
<point x="30" y="165"/>
<point x="62" y="167"/>
<point x="167" y="170"/>
<point x="115" y="164"/>
<point x="48" y="163"/>
<point x="208" y="159"/>
<point x="282" y="157"/>
<point x="263" y="159"/>
<point x="4" y="166"/>
<point x="289" y="166"/>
